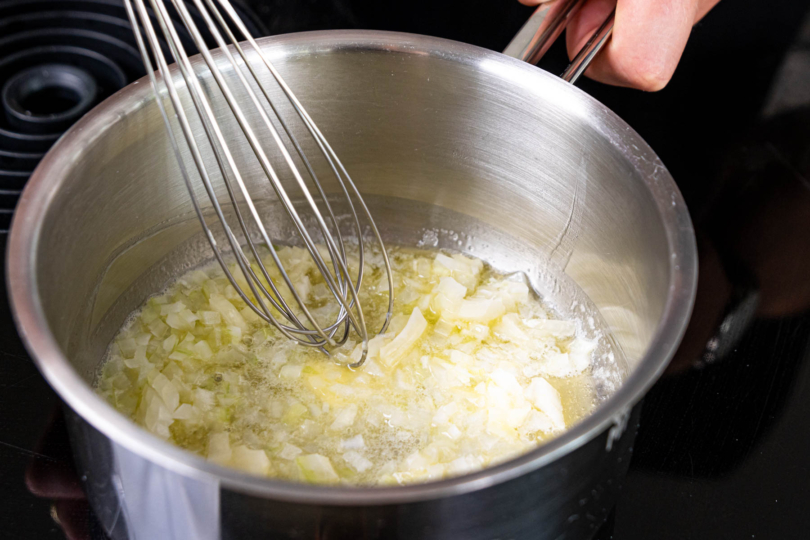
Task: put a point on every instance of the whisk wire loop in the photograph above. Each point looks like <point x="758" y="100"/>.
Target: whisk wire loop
<point x="265" y="303"/>
<point x="198" y="161"/>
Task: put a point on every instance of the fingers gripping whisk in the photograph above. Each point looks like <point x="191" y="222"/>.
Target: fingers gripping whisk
<point x="261" y="288"/>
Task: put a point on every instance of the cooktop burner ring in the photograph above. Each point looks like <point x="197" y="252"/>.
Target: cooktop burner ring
<point x="48" y="97"/>
<point x="58" y="59"/>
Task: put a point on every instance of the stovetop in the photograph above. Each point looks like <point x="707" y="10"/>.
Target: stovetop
<point x="723" y="448"/>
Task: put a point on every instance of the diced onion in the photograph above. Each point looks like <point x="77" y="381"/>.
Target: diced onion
<point x="229" y="313"/>
<point x="344" y="419"/>
<point x="252" y="461"/>
<point x="580" y="352"/>
<point x="219" y="448"/>
<point x="170" y="342"/>
<point x="552" y="327"/>
<point x="463" y="377"/>
<point x="291" y="371"/>
<point x="203" y="399"/>
<point x="210" y="318"/>
<point x="406" y="339"/>
<point x="357" y="461"/>
<point x="317" y="469"/>
<point x="355" y="443"/>
<point x="167" y="392"/>
<point x="203" y="350"/>
<point x="511" y="329"/>
<point x="480" y="309"/>
<point x="537" y="421"/>
<point x="185" y="412"/>
<point x="547" y="399"/>
<point x="290" y="451"/>
<point x="176" y="307"/>
<point x="249" y="315"/>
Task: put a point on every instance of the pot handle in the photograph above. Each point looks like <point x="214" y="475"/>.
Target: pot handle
<point x="545" y="26"/>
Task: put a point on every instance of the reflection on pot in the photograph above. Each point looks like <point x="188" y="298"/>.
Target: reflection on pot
<point x="52" y="475"/>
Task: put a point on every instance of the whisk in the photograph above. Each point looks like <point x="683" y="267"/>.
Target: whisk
<point x="263" y="296"/>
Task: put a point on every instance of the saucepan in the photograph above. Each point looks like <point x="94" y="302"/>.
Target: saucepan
<point x="453" y="147"/>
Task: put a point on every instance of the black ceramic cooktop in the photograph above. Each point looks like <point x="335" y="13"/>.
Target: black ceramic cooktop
<point x="723" y="451"/>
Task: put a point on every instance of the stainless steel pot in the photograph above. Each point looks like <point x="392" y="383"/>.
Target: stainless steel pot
<point x="531" y="174"/>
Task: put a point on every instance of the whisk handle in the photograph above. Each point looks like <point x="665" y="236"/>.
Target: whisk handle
<point x="544" y="27"/>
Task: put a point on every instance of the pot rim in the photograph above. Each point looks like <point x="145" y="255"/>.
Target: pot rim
<point x="78" y="395"/>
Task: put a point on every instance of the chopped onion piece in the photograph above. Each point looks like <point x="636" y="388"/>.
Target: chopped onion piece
<point x="203" y="350"/>
<point x="177" y="322"/>
<point x="416" y="461"/>
<point x="517" y="416"/>
<point x="317" y="469"/>
<point x="252" y="461"/>
<point x="355" y="443"/>
<point x="480" y="309"/>
<point x="346" y="391"/>
<point x="547" y="399"/>
<point x="126" y="346"/>
<point x="294" y="413"/>
<point x="249" y="315"/>
<point x="189" y="316"/>
<point x="580" y="352"/>
<point x="303" y="286"/>
<point x="463" y="465"/>
<point x="185" y="412"/>
<point x="444" y="327"/>
<point x="177" y="307"/>
<point x="167" y="391"/>
<point x="536" y="421"/>
<point x="170" y="342"/>
<point x="345" y="418"/>
<point x="507" y="381"/>
<point x="556" y="364"/>
<point x="444" y="413"/>
<point x="450" y="263"/>
<point x="510" y="329"/>
<point x="157" y="416"/>
<point x="210" y="318"/>
<point x="219" y="448"/>
<point x="453" y="432"/>
<point x="158" y="328"/>
<point x="357" y="461"/>
<point x="228" y="312"/>
<point x="552" y="327"/>
<point x="176" y="355"/>
<point x="448" y="295"/>
<point x="459" y="357"/>
<point x="477" y="331"/>
<point x="203" y="399"/>
<point x="513" y="293"/>
<point x="291" y="371"/>
<point x="290" y="452"/>
<point x="391" y="353"/>
<point x="234" y="334"/>
<point x="465" y="270"/>
<point x="457" y="381"/>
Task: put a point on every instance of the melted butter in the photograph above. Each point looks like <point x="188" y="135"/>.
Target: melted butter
<point x="269" y="395"/>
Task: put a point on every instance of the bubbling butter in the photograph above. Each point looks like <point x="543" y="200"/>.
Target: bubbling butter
<point x="473" y="370"/>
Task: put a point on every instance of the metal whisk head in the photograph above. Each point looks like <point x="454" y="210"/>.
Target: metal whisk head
<point x="264" y="296"/>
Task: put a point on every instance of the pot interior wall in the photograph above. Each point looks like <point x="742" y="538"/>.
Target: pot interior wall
<point x="501" y="161"/>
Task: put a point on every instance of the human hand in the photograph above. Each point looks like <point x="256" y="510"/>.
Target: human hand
<point x="648" y="39"/>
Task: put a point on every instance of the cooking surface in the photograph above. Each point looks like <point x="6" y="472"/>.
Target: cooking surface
<point x="722" y="451"/>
